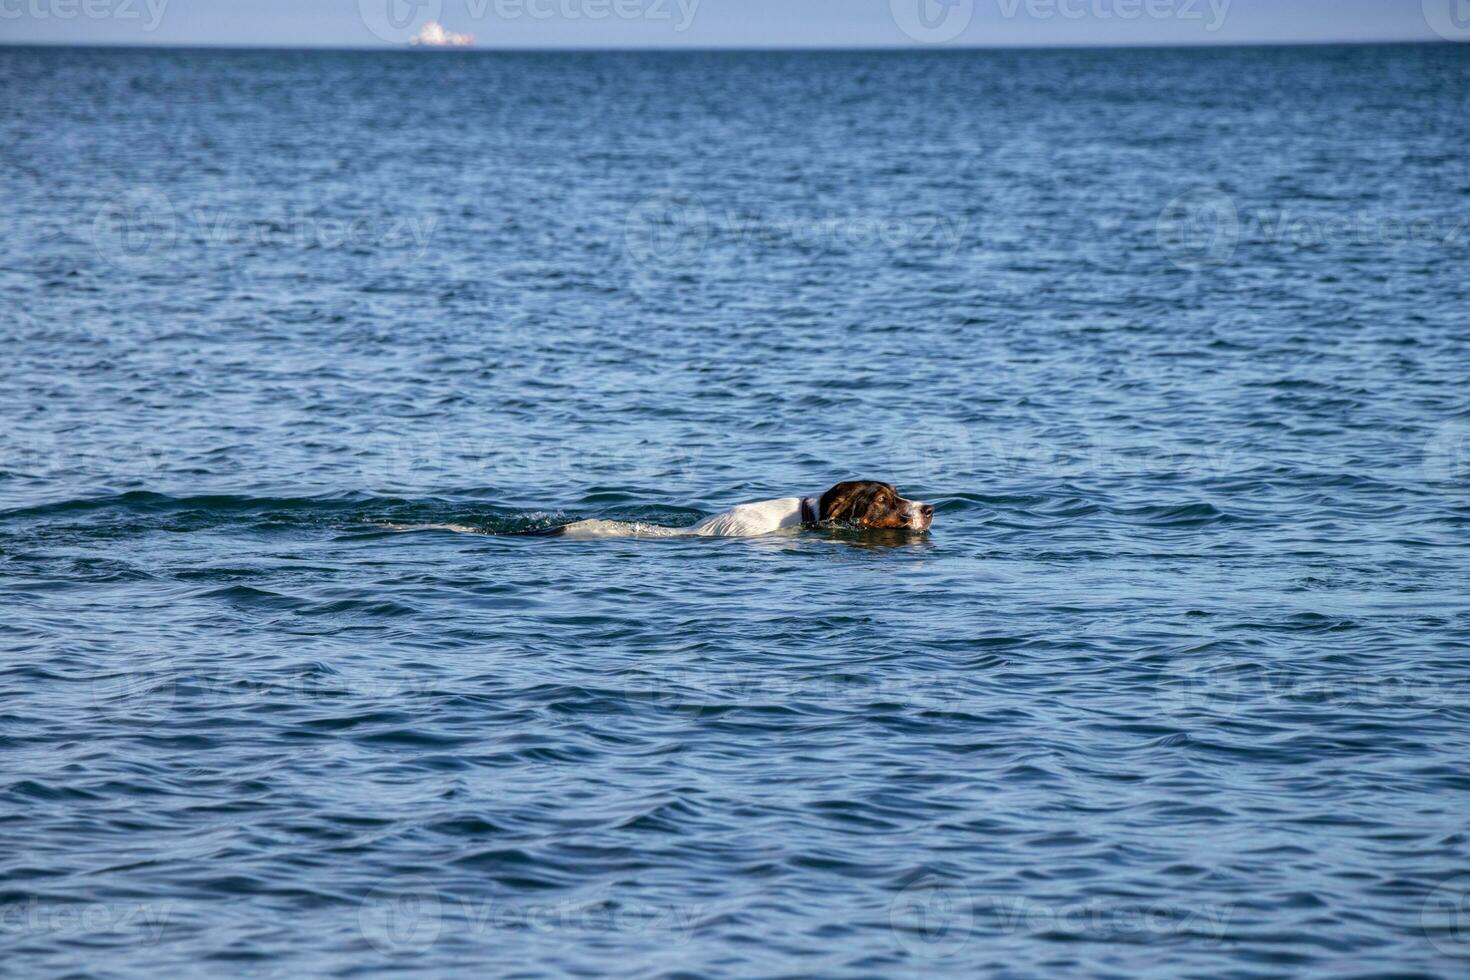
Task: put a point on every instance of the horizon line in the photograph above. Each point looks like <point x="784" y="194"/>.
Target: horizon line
<point x="752" y="49"/>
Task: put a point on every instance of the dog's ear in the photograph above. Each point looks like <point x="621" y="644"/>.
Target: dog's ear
<point x="837" y="504"/>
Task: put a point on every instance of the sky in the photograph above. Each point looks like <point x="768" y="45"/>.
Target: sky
<point x="730" y="23"/>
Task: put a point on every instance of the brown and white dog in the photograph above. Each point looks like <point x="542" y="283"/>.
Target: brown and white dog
<point x="857" y="503"/>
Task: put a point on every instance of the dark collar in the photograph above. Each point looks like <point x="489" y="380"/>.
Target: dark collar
<point x="811" y="510"/>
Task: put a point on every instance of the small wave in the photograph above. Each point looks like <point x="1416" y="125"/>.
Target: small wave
<point x="1177" y="516"/>
<point x="145" y="502"/>
<point x="141" y="511"/>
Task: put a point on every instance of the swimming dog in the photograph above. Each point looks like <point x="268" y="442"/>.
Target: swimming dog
<point x="859" y="503"/>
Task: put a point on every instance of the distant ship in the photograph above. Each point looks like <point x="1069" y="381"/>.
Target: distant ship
<point x="435" y="36"/>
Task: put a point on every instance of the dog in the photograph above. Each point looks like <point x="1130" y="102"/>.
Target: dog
<point x="858" y="503"/>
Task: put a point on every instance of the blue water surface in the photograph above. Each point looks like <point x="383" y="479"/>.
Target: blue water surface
<point x="1177" y="341"/>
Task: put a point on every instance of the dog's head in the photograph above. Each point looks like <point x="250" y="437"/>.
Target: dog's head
<point x="868" y="503"/>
